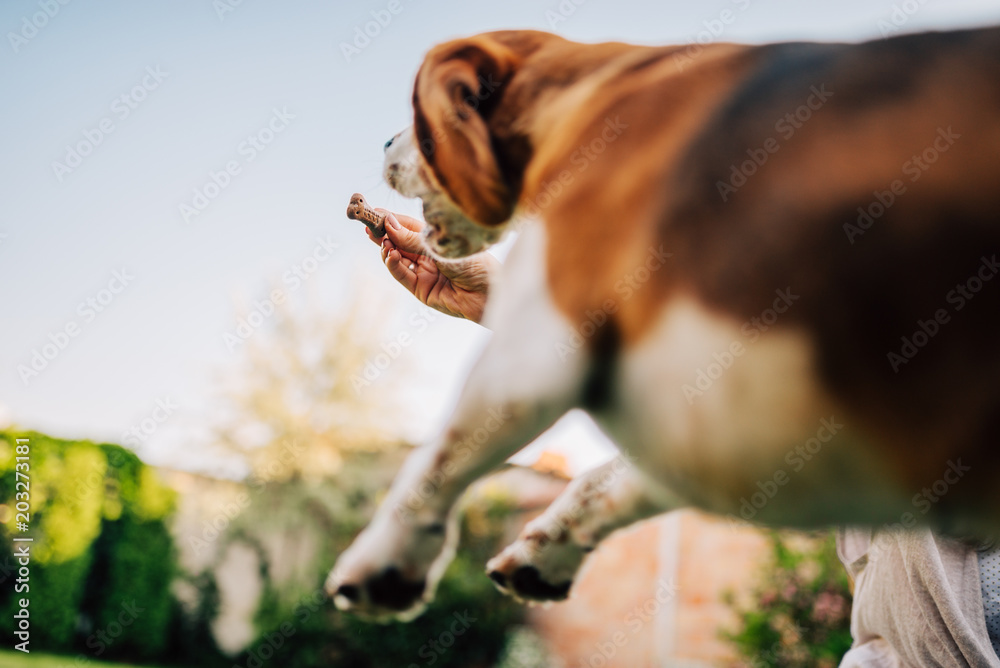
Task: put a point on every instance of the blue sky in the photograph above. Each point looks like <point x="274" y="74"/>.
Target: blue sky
<point x="166" y="94"/>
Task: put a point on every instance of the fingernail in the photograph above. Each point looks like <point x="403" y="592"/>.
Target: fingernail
<point x="392" y="222"/>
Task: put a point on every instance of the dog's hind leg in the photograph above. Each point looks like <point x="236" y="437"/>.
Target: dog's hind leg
<point x="542" y="563"/>
<point x="520" y="386"/>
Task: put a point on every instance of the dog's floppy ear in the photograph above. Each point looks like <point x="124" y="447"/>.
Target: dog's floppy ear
<point x="457" y="88"/>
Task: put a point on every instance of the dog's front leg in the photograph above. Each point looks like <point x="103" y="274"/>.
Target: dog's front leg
<point x="522" y="383"/>
<point x="542" y="563"/>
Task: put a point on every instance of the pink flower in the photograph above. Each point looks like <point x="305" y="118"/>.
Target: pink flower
<point x="829" y="608"/>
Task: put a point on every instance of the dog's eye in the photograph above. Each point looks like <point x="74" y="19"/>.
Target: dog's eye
<point x="388" y="143"/>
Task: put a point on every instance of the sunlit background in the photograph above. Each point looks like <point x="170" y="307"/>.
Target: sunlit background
<point x="226" y="67"/>
<point x="168" y="166"/>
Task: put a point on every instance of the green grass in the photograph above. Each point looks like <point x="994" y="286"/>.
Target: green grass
<point x="35" y="660"/>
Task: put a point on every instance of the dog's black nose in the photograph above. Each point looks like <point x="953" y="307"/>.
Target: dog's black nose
<point x="389" y="143"/>
<point x="527" y="582"/>
<point x="351" y="592"/>
<point x="499" y="578"/>
<point x="390" y="590"/>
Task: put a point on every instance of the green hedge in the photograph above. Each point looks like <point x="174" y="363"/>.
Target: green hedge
<point x="466" y="626"/>
<point x="103" y="562"/>
<point x="101" y="552"/>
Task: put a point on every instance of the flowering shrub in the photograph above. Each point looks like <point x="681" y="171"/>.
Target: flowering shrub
<point x="799" y="614"/>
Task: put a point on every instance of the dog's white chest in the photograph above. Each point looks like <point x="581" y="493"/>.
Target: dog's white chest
<point x="721" y="415"/>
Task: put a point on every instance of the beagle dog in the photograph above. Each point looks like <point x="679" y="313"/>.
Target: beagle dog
<point x="767" y="272"/>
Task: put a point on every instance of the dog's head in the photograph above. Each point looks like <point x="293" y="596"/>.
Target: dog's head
<point x="459" y="157"/>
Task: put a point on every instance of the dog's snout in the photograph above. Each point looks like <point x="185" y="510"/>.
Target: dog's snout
<point x="390" y="590"/>
<point x="528" y="582"/>
<point x="351" y="592"/>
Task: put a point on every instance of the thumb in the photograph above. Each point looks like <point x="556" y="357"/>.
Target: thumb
<point x="402" y="237"/>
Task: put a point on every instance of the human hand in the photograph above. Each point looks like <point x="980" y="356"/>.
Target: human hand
<point x="455" y="287"/>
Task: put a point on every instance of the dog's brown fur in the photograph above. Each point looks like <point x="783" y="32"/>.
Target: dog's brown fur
<point x="503" y="122"/>
<point x="689" y="121"/>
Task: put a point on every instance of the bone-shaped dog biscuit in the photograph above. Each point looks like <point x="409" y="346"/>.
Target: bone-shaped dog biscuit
<point x="358" y="209"/>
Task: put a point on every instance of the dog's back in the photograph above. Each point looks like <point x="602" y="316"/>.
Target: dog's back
<point x="867" y="179"/>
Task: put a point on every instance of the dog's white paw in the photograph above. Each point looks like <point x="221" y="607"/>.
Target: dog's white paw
<point x="391" y="570"/>
<point x="540" y="565"/>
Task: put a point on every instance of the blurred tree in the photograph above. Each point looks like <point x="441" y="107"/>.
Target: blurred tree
<point x="291" y="409"/>
<point x="321" y="449"/>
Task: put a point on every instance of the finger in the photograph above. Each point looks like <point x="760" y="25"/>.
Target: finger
<point x="406" y="258"/>
<point x="408" y="222"/>
<point x="401" y="269"/>
<point x="388" y="249"/>
<point x="406" y="239"/>
<point x="410" y="257"/>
